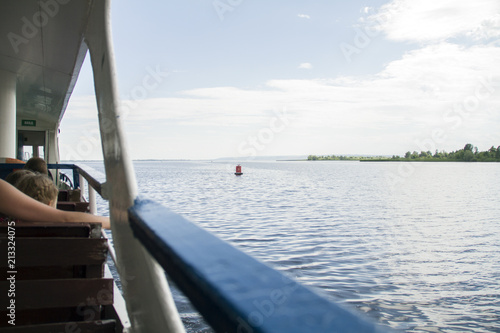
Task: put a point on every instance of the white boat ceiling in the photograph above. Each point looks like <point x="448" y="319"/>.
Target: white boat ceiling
<point x="42" y="43"/>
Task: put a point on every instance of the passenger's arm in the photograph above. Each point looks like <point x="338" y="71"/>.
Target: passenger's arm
<point x="16" y="204"/>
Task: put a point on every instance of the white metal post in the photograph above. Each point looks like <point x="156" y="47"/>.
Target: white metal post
<point x="8" y="114"/>
<point x="82" y="187"/>
<point x="52" y="151"/>
<point x="150" y="305"/>
<point x="92" y="200"/>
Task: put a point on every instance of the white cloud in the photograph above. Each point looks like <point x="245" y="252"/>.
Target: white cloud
<point x="431" y="21"/>
<point x="304" y="16"/>
<point x="436" y="87"/>
<point x="366" y="10"/>
<point x="82" y="107"/>
<point x="412" y="93"/>
<point x="305" y="65"/>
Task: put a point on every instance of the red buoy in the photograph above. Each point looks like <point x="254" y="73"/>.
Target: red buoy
<point x="238" y="170"/>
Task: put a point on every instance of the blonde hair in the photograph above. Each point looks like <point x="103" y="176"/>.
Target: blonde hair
<point x="39" y="187"/>
<point x="14" y="177"/>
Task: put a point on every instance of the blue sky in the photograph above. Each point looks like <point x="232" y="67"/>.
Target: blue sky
<point x="204" y="79"/>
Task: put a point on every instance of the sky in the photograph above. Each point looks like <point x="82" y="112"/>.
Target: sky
<point x="206" y="79"/>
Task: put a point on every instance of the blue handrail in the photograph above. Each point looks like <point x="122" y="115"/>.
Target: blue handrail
<point x="232" y="290"/>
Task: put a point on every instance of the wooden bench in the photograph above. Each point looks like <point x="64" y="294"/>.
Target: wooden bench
<point x="69" y="201"/>
<point x="73" y="206"/>
<point x="59" y="284"/>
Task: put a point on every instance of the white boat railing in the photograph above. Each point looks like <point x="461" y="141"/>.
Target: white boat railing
<point x="150" y="305"/>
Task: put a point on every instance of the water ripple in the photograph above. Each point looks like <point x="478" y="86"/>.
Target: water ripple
<point x="423" y="257"/>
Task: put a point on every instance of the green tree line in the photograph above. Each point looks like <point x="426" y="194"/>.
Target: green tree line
<point x="332" y="158"/>
<point x="469" y="153"/>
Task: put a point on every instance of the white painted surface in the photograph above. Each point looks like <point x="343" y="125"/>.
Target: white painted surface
<point x="150" y="305"/>
<point x="7" y="114"/>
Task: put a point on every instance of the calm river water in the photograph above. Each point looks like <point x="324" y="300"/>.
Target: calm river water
<point x="414" y="246"/>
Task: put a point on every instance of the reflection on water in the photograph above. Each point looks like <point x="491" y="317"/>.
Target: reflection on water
<point x="420" y="254"/>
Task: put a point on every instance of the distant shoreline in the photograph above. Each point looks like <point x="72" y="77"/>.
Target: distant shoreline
<point x="390" y="160"/>
<point x="428" y="160"/>
<point x="469" y="153"/>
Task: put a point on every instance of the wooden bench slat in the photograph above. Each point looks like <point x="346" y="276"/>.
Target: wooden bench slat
<point x="38" y="294"/>
<point x="53" y="229"/>
<point x="56" y="272"/>
<point x="54" y="315"/>
<point x="35" y="252"/>
<point x="73" y="206"/>
<point x="45" y="273"/>
<point x="99" y="326"/>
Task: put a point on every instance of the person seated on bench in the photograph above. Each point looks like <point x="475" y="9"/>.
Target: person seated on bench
<point x="38" y="164"/>
<point x="13" y="177"/>
<point x="39" y="187"/>
<point x="18" y="205"/>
